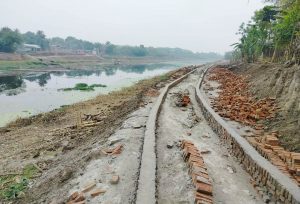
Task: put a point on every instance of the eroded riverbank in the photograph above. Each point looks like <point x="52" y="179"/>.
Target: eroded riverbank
<point x="33" y="93"/>
<point x="59" y="142"/>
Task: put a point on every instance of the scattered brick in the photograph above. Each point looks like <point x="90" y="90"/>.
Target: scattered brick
<point x="185" y="100"/>
<point x="73" y="195"/>
<point x="79" y="198"/>
<point x="115" y="179"/>
<point x="97" y="192"/>
<point x="88" y="187"/>
<point x="76" y="198"/>
<point x="114" y="151"/>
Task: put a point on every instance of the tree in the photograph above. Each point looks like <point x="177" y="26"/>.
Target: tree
<point x="38" y="38"/>
<point x="273" y="33"/>
<point x="41" y="40"/>
<point x="9" y="40"/>
<point x="109" y="48"/>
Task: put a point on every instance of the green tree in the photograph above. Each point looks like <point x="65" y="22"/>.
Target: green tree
<point x="273" y="33"/>
<point x="109" y="48"/>
<point x="9" y="40"/>
<point x="38" y="38"/>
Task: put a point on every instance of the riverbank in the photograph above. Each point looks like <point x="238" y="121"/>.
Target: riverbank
<point x="15" y="64"/>
<point x="20" y="95"/>
<point x="49" y="147"/>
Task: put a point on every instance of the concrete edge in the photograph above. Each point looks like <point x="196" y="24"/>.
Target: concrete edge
<point x="272" y="175"/>
<point x="146" y="192"/>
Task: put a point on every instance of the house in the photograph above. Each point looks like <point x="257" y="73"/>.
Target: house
<point x="29" y="48"/>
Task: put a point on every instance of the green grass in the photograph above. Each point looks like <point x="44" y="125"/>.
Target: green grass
<point x="163" y="77"/>
<point x="83" y="87"/>
<point x="13" y="186"/>
<point x="25" y="64"/>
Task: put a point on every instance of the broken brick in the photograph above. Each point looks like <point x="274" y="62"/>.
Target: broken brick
<point x="115" y="179"/>
<point x="97" y="192"/>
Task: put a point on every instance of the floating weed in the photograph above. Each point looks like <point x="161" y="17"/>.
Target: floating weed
<point x="83" y="87"/>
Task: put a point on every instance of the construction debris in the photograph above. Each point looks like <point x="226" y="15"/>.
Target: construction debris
<point x="114" y="151"/>
<point x="76" y="198"/>
<point x="182" y="99"/>
<point x="236" y="103"/>
<point x="198" y="172"/>
<point x="88" y="187"/>
<point x="115" y="179"/>
<point x="97" y="192"/>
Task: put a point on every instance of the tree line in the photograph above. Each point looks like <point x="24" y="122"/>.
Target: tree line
<point x="273" y="34"/>
<point x="10" y="40"/>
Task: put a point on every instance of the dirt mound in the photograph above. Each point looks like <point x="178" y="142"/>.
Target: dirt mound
<point x="282" y="83"/>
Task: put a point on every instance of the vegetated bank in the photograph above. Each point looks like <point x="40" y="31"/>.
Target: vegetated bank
<point x="269" y="53"/>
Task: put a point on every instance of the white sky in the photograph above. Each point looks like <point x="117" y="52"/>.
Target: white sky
<point x="198" y="25"/>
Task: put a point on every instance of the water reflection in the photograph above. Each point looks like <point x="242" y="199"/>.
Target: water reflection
<point x="40" y="78"/>
<point x="10" y="82"/>
<point x="13" y="85"/>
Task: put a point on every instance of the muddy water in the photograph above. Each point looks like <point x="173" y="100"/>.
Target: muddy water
<point x="23" y="96"/>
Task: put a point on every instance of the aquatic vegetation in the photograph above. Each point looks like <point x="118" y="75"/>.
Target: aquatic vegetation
<point x="83" y="87"/>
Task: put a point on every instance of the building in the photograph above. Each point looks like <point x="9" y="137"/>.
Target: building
<point x="30" y="48"/>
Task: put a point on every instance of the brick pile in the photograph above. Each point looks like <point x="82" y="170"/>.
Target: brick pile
<point x="269" y="147"/>
<point x="235" y="101"/>
<point x="269" y="187"/>
<point x="198" y="172"/>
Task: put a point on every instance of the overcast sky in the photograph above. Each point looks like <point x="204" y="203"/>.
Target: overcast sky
<point x="198" y="25"/>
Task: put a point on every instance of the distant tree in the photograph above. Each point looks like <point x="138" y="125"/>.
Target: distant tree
<point x="57" y="41"/>
<point x="109" y="48"/>
<point x="139" y="51"/>
<point x="42" y="41"/>
<point x="38" y="38"/>
<point x="9" y="40"/>
<point x="88" y="45"/>
<point x="74" y="43"/>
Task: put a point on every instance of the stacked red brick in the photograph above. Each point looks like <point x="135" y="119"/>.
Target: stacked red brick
<point x="287" y="162"/>
<point x="198" y="172"/>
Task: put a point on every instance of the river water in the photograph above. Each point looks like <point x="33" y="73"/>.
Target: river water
<point x="30" y="94"/>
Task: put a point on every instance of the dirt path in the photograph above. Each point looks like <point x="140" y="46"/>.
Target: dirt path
<point x="126" y="165"/>
<point x="230" y="182"/>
